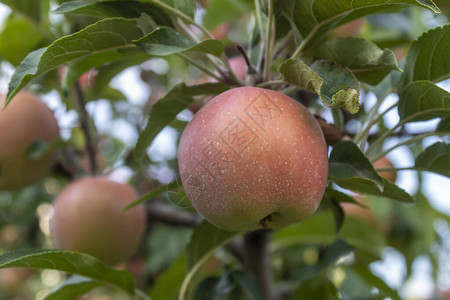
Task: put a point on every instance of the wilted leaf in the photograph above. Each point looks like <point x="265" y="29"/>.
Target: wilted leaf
<point x="435" y="158"/>
<point x="71" y="262"/>
<point x="335" y="85"/>
<point x="369" y="63"/>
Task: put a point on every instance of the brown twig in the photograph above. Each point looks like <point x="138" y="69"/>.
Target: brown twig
<point x="257" y="260"/>
<point x="159" y="212"/>
<point x="84" y="124"/>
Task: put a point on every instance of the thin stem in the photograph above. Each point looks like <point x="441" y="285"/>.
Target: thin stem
<point x="408" y="142"/>
<point x="257" y="260"/>
<point x="140" y="295"/>
<point x="273" y="82"/>
<point x="200" y="67"/>
<point x="84" y="124"/>
<point x="302" y="45"/>
<point x="371" y="121"/>
<point x="389" y="132"/>
<point x="260" y="29"/>
<point x="365" y="134"/>
<point x="269" y="44"/>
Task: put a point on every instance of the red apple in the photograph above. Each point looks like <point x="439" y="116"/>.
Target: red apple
<point x="88" y="217"/>
<point x="25" y="120"/>
<point x="253" y="158"/>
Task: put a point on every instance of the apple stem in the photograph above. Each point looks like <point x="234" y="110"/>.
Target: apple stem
<point x="257" y="260"/>
<point x="84" y="123"/>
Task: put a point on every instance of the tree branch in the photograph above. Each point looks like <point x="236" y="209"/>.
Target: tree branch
<point x="257" y="260"/>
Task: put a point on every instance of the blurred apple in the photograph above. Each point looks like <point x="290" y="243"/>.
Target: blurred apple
<point x="26" y="123"/>
<point x="88" y="217"/>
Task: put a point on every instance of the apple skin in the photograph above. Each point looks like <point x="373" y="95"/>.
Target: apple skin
<point x="25" y="120"/>
<point x="88" y="217"/>
<point x="244" y="171"/>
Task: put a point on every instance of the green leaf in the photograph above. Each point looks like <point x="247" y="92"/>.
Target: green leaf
<point x="248" y="282"/>
<point x="328" y="258"/>
<point x="126" y="9"/>
<point x="335" y="85"/>
<point x="103" y="36"/>
<point x="18" y="37"/>
<point x="375" y="281"/>
<point x="435" y="158"/>
<point x="168" y="284"/>
<point x="422" y="100"/>
<point x="72" y="288"/>
<point x="71" y="262"/>
<point x="168" y="107"/>
<point x="80" y="66"/>
<point x="313" y="19"/>
<point x="369" y="63"/>
<point x="204" y="241"/>
<point x="350" y="168"/>
<point x="166" y="41"/>
<point x="153" y="193"/>
<point x="444" y="125"/>
<point x="185" y="6"/>
<point x="319" y="287"/>
<point x="220" y="11"/>
<point x="29" y="8"/>
<point x="428" y="58"/>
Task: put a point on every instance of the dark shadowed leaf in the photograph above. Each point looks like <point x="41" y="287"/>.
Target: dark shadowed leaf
<point x="104" y="36"/>
<point x="248" y="283"/>
<point x="168" y="107"/>
<point x="70" y="262"/>
<point x="319" y="287"/>
<point x="444" y="125"/>
<point x="75" y="69"/>
<point x="328" y="258"/>
<point x="369" y="63"/>
<point x="435" y="158"/>
<point x="72" y="288"/>
<point x="166" y="41"/>
<point x="126" y="9"/>
<point x="335" y="85"/>
<point x="350" y="168"/>
<point x="423" y="100"/>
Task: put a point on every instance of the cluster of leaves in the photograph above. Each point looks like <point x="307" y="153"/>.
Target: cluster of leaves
<point x="291" y="48"/>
